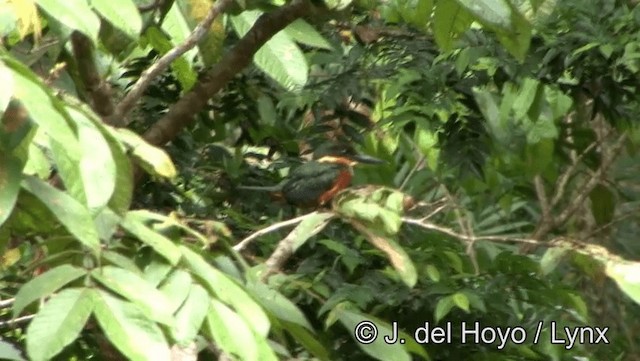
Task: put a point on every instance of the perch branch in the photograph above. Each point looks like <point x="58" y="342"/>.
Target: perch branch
<point x="272" y="228"/>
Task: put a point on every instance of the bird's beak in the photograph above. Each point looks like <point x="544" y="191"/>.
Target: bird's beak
<point x="367" y="159"/>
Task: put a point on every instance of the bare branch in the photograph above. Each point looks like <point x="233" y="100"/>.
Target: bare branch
<point x="6" y="303"/>
<point x="272" y="228"/>
<point x="161" y="65"/>
<point x="181" y="114"/>
<point x="568" y="173"/>
<point x="16" y="320"/>
<point x="286" y="246"/>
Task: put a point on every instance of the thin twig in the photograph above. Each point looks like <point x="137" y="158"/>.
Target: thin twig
<point x="274" y="227"/>
<point x="6" y="303"/>
<point x="566" y="175"/>
<point x="16" y="320"/>
<point x="161" y="65"/>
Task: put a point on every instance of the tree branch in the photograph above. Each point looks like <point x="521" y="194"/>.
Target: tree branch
<point x="274" y="227"/>
<point x="98" y="90"/>
<point x="181" y="114"/>
<point x="161" y="65"/>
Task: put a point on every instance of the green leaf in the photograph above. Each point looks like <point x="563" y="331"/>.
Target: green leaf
<point x="97" y="167"/>
<point x="74" y="216"/>
<point x="461" y="300"/>
<point x="75" y="14"/>
<point x="280" y="57"/>
<point x="309" y="227"/>
<point x="37" y="162"/>
<point x="121" y="261"/>
<point x="122" y="14"/>
<point x="450" y="20"/>
<point x="308" y="340"/>
<point x="181" y="67"/>
<point x="129" y="330"/>
<point x="153" y="159"/>
<point x="43" y="109"/>
<point x="551" y="259"/>
<point x="176" y="25"/>
<point x="176" y="288"/>
<point x="378" y="349"/>
<point x="231" y="332"/>
<point x="443" y="307"/>
<point x="433" y="273"/>
<point x="526" y="96"/>
<point x="627" y="276"/>
<point x="44" y="285"/>
<point x="302" y="32"/>
<point x="228" y="291"/>
<point x="155" y="240"/>
<point x="6" y="91"/>
<point x="156" y="271"/>
<point x="492" y="12"/>
<point x="10" y="177"/>
<point x="10" y="352"/>
<point x="59" y="322"/>
<point x="191" y="315"/>
<point x="133" y="287"/>
<point x="278" y="305"/>
<point x="603" y="204"/>
<point x="517" y="39"/>
<point x="267" y="110"/>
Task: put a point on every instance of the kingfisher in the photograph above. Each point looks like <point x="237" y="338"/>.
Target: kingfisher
<point x="316" y="182"/>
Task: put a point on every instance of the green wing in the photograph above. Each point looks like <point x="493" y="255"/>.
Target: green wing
<point x="309" y="181"/>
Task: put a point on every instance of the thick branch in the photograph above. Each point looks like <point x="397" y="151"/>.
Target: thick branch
<point x="161" y="65"/>
<point x="182" y="113"/>
<point x="98" y="90"/>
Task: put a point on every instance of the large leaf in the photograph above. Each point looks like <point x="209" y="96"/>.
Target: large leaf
<point x="280" y="57"/>
<point x="231" y="332"/>
<point x="278" y="305"/>
<point x="302" y="32"/>
<point x="74" y="216"/>
<point x="450" y="21"/>
<point x="161" y="244"/>
<point x="129" y="330"/>
<point x="191" y="315"/>
<point x="176" y="288"/>
<point x="133" y="287"/>
<point x="97" y="167"/>
<point x="193" y="12"/>
<point x="123" y="14"/>
<point x="627" y="276"/>
<point x="59" y="322"/>
<point x="10" y="176"/>
<point x="228" y="291"/>
<point x="44" y="285"/>
<point x="75" y="14"/>
<point x="152" y="159"/>
<point x="6" y="91"/>
<point x="494" y="12"/>
<point x="9" y="352"/>
<point x="43" y="109"/>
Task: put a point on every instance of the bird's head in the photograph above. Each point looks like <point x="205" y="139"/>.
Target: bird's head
<point x="342" y="153"/>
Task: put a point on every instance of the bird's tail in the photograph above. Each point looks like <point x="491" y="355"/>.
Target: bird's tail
<point x="275" y="188"/>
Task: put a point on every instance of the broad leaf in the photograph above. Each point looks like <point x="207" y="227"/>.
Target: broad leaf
<point x="59" y="322"/>
<point x="129" y="330"/>
<point x="302" y="32"/>
<point x="133" y="287"/>
<point x="627" y="276"/>
<point x="75" y="14"/>
<point x="123" y="14"/>
<point x="280" y="57"/>
<point x="176" y="288"/>
<point x="278" y="305"/>
<point x="190" y="316"/>
<point x="153" y="159"/>
<point x="231" y="332"/>
<point x="10" y="177"/>
<point x="155" y="240"/>
<point x="74" y="216"/>
<point x="228" y="291"/>
<point x="44" y="285"/>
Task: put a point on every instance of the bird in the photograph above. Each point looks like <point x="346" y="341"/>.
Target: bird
<point x="316" y="182"/>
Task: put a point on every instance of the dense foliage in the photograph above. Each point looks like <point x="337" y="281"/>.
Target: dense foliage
<point x="508" y="201"/>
